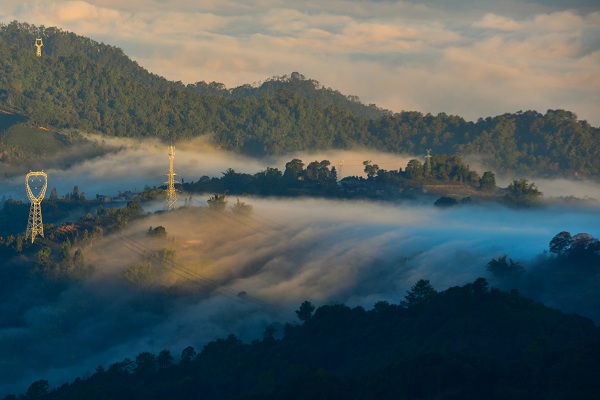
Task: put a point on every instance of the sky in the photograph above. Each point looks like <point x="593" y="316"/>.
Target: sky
<point x="473" y="58"/>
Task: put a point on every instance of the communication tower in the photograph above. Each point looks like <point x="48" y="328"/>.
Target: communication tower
<point x="34" y="224"/>
<point x="428" y="161"/>
<point x="171" y="202"/>
<point x="39" y="44"/>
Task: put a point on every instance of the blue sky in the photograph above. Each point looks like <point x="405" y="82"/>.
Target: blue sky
<point x="470" y="58"/>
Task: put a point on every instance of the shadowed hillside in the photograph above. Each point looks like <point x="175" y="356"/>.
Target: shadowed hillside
<point x="467" y="342"/>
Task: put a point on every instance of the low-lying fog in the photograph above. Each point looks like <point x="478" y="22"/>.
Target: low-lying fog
<point x="236" y="274"/>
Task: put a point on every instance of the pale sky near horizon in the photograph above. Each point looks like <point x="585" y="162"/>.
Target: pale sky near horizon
<point x="470" y="58"/>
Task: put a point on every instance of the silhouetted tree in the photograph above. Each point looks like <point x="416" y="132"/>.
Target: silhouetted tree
<point x="188" y="354"/>
<point x="305" y="311"/>
<point x="561" y="243"/>
<point x="503" y="268"/>
<point x="164" y="359"/>
<point x="217" y="202"/>
<point x="420" y="293"/>
<point x="37" y="390"/>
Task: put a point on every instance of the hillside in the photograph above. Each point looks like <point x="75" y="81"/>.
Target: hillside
<point x="306" y="88"/>
<point x="466" y="342"/>
<point x="82" y="84"/>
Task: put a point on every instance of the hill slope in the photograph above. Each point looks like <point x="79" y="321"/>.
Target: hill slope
<point x="464" y="343"/>
<point x="82" y="84"/>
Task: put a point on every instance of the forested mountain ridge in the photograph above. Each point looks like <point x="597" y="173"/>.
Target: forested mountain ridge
<point x="81" y="84"/>
<point x="466" y="342"/>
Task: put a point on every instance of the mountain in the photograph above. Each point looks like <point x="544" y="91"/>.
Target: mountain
<point x="81" y="84"/>
<point x="466" y="342"/>
<point x="306" y="88"/>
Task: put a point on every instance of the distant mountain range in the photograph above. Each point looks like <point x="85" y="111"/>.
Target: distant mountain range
<point x="80" y="84"/>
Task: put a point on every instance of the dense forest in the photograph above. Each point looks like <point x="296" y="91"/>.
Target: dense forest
<point x="81" y="84"/>
<point x="467" y="342"/>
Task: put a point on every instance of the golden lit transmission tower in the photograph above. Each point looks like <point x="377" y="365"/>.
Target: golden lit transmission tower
<point x="39" y="44"/>
<point x="34" y="224"/>
<point x="171" y="202"/>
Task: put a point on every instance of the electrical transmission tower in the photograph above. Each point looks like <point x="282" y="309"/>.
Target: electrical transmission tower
<point x="171" y="202"/>
<point x="339" y="171"/>
<point x="38" y="44"/>
<point x="34" y="224"/>
<point x="428" y="162"/>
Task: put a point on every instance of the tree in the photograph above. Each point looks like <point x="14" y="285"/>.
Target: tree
<point x="420" y="293"/>
<point x="522" y="193"/>
<point x="158" y="232"/>
<point x="445" y="202"/>
<point x="241" y="208"/>
<point x="501" y="268"/>
<point x="561" y="243"/>
<point x="37" y="390"/>
<point x="217" y="202"/>
<point x="78" y="261"/>
<point x="487" y="181"/>
<point x="370" y="169"/>
<point x="164" y="359"/>
<point x="188" y="354"/>
<point x="145" y="364"/>
<point x="305" y="311"/>
<point x="294" y="173"/>
<point x="44" y="259"/>
<point x="268" y="181"/>
<point x="414" y="170"/>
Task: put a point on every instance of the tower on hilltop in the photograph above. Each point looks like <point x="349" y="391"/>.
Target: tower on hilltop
<point x="171" y="202"/>
<point x="34" y="223"/>
<point x="38" y="44"/>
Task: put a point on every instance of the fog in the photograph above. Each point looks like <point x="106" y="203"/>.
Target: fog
<point x="133" y="165"/>
<point x="238" y="274"/>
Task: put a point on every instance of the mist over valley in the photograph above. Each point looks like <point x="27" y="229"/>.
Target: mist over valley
<point x="217" y="273"/>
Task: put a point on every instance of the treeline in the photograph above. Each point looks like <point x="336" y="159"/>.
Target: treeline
<point x="466" y="342"/>
<point x="321" y="178"/>
<point x="567" y="275"/>
<point x="79" y="83"/>
<point x="438" y="175"/>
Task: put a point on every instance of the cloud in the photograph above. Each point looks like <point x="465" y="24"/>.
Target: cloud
<point x="492" y="21"/>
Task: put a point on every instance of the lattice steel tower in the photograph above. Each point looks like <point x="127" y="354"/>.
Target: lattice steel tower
<point x="171" y="202"/>
<point x="428" y="161"/>
<point x="34" y="224"/>
<point x="38" y="44"/>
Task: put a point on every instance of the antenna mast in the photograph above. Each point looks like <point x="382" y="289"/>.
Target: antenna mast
<point x="171" y="202"/>
<point x="38" y="44"/>
<point x="34" y="223"/>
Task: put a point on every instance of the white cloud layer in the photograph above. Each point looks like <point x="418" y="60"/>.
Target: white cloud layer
<point x="474" y="59"/>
